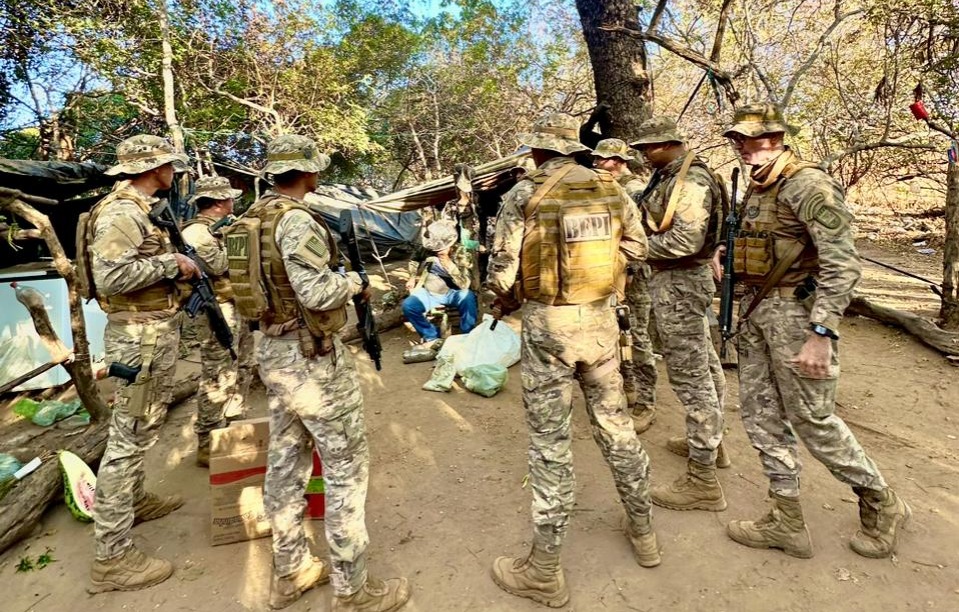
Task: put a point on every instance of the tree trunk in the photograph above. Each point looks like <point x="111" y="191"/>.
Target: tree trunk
<point x="619" y="66"/>
<point x="949" y="311"/>
<point x="169" y="95"/>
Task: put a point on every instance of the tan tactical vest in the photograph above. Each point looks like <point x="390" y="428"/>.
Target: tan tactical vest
<point x="221" y="283"/>
<point x="769" y="231"/>
<point x="570" y="251"/>
<point x="158" y="296"/>
<point x="716" y="216"/>
<point x="282" y="306"/>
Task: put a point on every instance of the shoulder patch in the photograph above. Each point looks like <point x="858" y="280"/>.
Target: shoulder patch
<point x="316" y="246"/>
<point x="822" y="213"/>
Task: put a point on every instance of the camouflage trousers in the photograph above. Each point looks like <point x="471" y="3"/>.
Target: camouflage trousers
<point x="639" y="375"/>
<point x="223" y="382"/>
<point x="560" y="344"/>
<point x="778" y="404"/>
<point x="120" y="478"/>
<point x="680" y="301"/>
<point x="316" y="402"/>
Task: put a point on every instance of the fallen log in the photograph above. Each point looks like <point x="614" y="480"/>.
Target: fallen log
<point x="384" y="321"/>
<point x="929" y="333"/>
<point x="23" y="506"/>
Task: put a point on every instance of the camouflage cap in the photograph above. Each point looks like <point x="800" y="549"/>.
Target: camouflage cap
<point x="439" y="235"/>
<point x="755" y="120"/>
<point x="139" y="154"/>
<point x="554" y="132"/>
<point x="612" y="147"/>
<point x="294" y="152"/>
<point x="657" y="130"/>
<point x="214" y="188"/>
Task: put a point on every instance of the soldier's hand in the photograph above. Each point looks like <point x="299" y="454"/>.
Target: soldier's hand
<point x="716" y="263"/>
<point x="188" y="267"/>
<point x="814" y="357"/>
<point x="502" y="307"/>
<point x="366" y="295"/>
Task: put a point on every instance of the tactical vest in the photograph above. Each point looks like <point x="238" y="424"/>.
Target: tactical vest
<point x="713" y="226"/>
<point x="570" y="252"/>
<point x="769" y="230"/>
<point x="261" y="287"/>
<point x="161" y="295"/>
<point x="221" y="283"/>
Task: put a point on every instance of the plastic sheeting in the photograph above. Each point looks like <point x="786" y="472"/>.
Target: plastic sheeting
<point x="387" y="229"/>
<point x="56" y="180"/>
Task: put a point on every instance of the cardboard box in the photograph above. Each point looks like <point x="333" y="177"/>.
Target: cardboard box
<point x="238" y="455"/>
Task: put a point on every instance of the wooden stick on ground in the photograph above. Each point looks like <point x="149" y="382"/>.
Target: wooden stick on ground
<point x="945" y="342"/>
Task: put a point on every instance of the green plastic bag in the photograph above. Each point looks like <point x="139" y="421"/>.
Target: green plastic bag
<point x="26" y="408"/>
<point x="486" y="379"/>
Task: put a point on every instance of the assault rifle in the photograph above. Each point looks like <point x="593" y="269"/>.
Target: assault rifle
<point x="729" y="282"/>
<point x="202" y="298"/>
<point x="364" y="312"/>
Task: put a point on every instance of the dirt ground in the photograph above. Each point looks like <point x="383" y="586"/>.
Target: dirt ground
<point x="446" y="497"/>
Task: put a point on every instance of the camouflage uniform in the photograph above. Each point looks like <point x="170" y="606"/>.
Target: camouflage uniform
<point x="313" y="401"/>
<point x="122" y="235"/>
<point x="223" y="380"/>
<point x="562" y="344"/>
<point x="681" y="287"/>
<point x="639" y="374"/>
<point x="796" y="211"/>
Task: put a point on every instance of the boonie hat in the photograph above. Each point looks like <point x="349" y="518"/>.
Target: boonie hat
<point x="294" y="152"/>
<point x="214" y="188"/>
<point x="657" y="130"/>
<point x="139" y="154"/>
<point x="554" y="132"/>
<point x="755" y="120"/>
<point x="612" y="147"/>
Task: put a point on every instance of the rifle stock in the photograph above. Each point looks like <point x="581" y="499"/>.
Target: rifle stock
<point x="729" y="281"/>
<point x="203" y="297"/>
<point x="366" y="323"/>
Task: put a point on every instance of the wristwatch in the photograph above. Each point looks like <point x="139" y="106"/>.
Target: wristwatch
<point x="822" y="330"/>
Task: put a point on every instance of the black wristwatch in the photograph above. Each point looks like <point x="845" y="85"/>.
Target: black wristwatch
<point x="822" y="330"/>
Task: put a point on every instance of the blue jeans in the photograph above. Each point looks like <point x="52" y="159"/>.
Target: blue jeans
<point x="422" y="301"/>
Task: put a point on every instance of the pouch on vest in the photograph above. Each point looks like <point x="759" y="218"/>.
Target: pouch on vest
<point x="246" y="271"/>
<point x="85" y="285"/>
<point x="752" y="255"/>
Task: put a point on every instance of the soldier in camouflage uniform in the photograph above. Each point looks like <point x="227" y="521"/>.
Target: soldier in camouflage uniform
<point x="683" y="209"/>
<point x="312" y="386"/>
<point x="133" y="267"/>
<point x="795" y="254"/>
<point x="639" y="374"/>
<point x="223" y="380"/>
<point x="562" y="238"/>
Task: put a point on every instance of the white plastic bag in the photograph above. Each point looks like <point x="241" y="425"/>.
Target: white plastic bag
<point x="483" y="346"/>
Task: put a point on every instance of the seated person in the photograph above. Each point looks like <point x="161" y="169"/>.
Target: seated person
<point x="439" y="282"/>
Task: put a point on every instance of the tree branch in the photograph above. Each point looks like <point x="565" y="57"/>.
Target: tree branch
<point x="657" y="15"/>
<point x="814" y="54"/>
<point x="903" y="142"/>
<point x="721" y="76"/>
<point x="720" y="30"/>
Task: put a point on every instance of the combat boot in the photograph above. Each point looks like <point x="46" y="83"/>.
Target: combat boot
<point x="130" y="571"/>
<point x="203" y="451"/>
<point x="151" y="506"/>
<point x="697" y="489"/>
<point x="782" y="527"/>
<point x="680" y="446"/>
<point x="375" y="596"/>
<point x="538" y="576"/>
<point x="882" y="514"/>
<point x="285" y="590"/>
<point x="643" y="540"/>
<point x="643" y="419"/>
